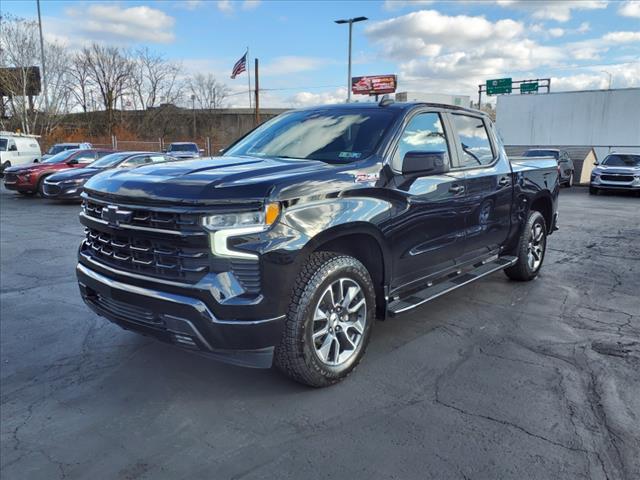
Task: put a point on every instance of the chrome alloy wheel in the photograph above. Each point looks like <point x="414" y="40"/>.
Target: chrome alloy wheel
<point x="339" y="322"/>
<point x="537" y="243"/>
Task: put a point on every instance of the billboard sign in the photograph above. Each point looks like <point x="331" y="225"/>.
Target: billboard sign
<point x="19" y="81"/>
<point x="374" y="84"/>
<point x="498" y="86"/>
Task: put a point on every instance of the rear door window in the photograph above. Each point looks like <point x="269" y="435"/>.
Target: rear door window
<point x="475" y="146"/>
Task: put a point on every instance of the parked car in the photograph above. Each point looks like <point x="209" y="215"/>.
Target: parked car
<point x="184" y="150"/>
<point x="565" y="164"/>
<point x="29" y="180"/>
<point x="61" y="147"/>
<point x="18" y="149"/>
<point x="67" y="185"/>
<point x="288" y="246"/>
<point x="618" y="171"/>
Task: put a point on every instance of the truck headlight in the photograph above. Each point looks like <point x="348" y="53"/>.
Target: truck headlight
<point x="225" y="225"/>
<point x="259" y="218"/>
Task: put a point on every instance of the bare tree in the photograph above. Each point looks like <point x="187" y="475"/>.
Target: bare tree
<point x="81" y="88"/>
<point x="154" y="79"/>
<point x="208" y="93"/>
<point x="110" y="70"/>
<point x="20" y="50"/>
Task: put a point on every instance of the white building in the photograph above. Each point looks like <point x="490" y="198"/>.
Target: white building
<point x="442" y="98"/>
<point x="579" y="122"/>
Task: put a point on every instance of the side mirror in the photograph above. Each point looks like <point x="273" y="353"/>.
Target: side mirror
<point x="201" y="151"/>
<point x="72" y="162"/>
<point x="425" y="163"/>
<point x="13" y="148"/>
<point x="221" y="150"/>
<point x="596" y="163"/>
<point x="164" y="150"/>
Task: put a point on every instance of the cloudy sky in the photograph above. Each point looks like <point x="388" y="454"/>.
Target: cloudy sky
<point x="440" y="47"/>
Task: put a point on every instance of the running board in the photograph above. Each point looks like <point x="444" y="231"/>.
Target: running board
<point x="458" y="280"/>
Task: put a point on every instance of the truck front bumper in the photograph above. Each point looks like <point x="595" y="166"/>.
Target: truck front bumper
<point x="180" y="320"/>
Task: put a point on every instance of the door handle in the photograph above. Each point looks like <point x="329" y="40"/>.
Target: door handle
<point x="503" y="182"/>
<point x="456" y="189"/>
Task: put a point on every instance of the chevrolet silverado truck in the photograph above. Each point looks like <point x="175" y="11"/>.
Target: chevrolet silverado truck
<point x="285" y="249"/>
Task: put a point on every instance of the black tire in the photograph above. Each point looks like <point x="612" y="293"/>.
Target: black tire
<point x="27" y="194"/>
<point x="297" y="354"/>
<point x="41" y="187"/>
<point x="523" y="270"/>
<point x="593" y="191"/>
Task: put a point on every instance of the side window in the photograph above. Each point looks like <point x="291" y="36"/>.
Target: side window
<point x="474" y="140"/>
<point x="423" y="133"/>
<point x="156" y="158"/>
<point x="134" y="162"/>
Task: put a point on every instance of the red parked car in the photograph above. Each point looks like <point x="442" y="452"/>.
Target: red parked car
<point x="29" y="179"/>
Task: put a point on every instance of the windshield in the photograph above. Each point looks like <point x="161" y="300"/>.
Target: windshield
<point x="3" y="144"/>
<point x="109" y="160"/>
<point x="183" y="147"/>
<point x="333" y="136"/>
<point x="61" y="148"/>
<point x="541" y="153"/>
<point x="60" y="157"/>
<point x="622" y="160"/>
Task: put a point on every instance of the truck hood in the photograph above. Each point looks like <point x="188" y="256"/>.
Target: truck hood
<point x="233" y="179"/>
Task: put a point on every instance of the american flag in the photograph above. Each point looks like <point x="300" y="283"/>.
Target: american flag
<point x="239" y="67"/>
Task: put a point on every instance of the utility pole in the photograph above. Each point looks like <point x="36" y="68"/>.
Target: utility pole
<point x="44" y="76"/>
<point x="350" y="21"/>
<point x="256" y="81"/>
<point x="610" y="77"/>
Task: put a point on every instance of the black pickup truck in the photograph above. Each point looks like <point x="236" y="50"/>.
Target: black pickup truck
<point x="285" y="249"/>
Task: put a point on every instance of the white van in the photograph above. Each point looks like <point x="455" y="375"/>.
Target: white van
<point x="18" y="149"/>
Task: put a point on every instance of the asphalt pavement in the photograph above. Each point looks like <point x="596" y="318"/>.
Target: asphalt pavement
<point x="497" y="380"/>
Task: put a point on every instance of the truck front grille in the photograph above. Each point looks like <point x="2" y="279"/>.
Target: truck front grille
<point x="176" y="221"/>
<point x="161" y="259"/>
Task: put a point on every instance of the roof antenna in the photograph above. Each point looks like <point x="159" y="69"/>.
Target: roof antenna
<point x="385" y="101"/>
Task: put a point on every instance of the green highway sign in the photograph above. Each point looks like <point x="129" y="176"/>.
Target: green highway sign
<point x="529" y="87"/>
<point x="499" y="85"/>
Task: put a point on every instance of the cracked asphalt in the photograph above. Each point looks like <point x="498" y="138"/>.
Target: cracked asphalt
<point x="498" y="380"/>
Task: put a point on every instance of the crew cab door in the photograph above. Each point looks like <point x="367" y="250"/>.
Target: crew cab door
<point x="428" y="235"/>
<point x="489" y="191"/>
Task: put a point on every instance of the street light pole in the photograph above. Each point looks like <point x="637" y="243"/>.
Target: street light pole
<point x="350" y="21"/>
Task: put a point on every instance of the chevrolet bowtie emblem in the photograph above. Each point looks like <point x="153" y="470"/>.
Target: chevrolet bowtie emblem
<point x="114" y="215"/>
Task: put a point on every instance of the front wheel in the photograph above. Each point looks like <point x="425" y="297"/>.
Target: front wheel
<point x="531" y="249"/>
<point x="329" y="321"/>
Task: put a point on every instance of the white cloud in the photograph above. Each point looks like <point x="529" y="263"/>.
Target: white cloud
<point x="250" y="4"/>
<point x="398" y="4"/>
<point x="228" y="6"/>
<point x="112" y="22"/>
<point x="630" y="9"/>
<point x="621" y="37"/>
<point x="622" y="76"/>
<point x="558" y="10"/>
<point x="293" y="64"/>
<point x="305" y="99"/>
<point x="556" y="32"/>
<point x="191" y="4"/>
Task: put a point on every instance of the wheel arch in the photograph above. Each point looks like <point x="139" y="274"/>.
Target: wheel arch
<point x="366" y="244"/>
<point x="543" y="203"/>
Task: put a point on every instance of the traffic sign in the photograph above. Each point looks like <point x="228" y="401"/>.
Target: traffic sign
<point x="529" y="87"/>
<point x="499" y="85"/>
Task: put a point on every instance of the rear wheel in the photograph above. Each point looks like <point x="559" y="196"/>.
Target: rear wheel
<point x="329" y="321"/>
<point x="531" y="249"/>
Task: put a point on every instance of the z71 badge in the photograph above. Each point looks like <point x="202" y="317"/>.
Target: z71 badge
<point x="367" y="177"/>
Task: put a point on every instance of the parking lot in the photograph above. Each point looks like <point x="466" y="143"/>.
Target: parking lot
<point x="496" y="380"/>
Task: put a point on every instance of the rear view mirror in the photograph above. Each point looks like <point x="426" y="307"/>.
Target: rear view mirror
<point x="13" y="148"/>
<point x="425" y="163"/>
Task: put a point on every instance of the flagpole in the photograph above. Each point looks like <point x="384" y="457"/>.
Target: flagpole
<point x="248" y="67"/>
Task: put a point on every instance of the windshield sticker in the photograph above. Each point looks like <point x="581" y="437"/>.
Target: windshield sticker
<point x="366" y="177"/>
<point x="349" y="155"/>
